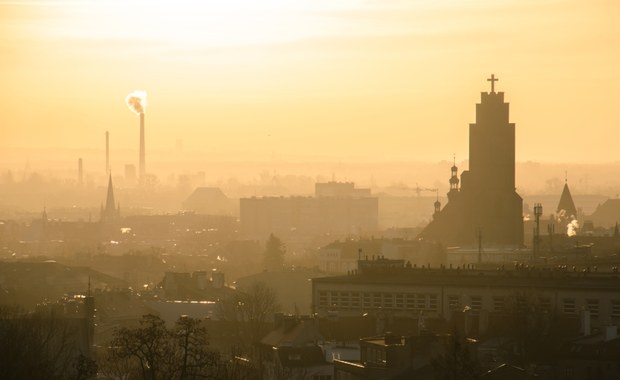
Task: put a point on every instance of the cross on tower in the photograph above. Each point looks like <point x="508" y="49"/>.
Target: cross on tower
<point x="492" y="80"/>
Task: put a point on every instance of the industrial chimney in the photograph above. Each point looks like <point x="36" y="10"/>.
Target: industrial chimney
<point x="137" y="103"/>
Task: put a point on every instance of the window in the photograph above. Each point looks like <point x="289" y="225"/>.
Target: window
<point x="476" y="303"/>
<point x="454" y="302"/>
<point x="593" y="307"/>
<point x="367" y="299"/>
<point x="334" y="300"/>
<point x="420" y="301"/>
<point x="545" y="303"/>
<point x="323" y="299"/>
<point x="410" y="301"/>
<point x="432" y="302"/>
<point x="388" y="300"/>
<point x="615" y="309"/>
<point x="522" y="304"/>
<point x="499" y="303"/>
<point x="355" y="300"/>
<point x="376" y="300"/>
<point x="400" y="300"/>
<point x="568" y="306"/>
<point x="344" y="300"/>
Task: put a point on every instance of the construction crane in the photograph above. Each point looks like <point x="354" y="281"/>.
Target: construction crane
<point x="419" y="189"/>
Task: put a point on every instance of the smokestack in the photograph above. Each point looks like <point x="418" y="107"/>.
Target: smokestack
<point x="80" y="172"/>
<point x="107" y="152"/>
<point x="142" y="163"/>
<point x="137" y="103"/>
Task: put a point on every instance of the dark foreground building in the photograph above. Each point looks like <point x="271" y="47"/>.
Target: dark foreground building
<point x="486" y="206"/>
<point x="388" y="290"/>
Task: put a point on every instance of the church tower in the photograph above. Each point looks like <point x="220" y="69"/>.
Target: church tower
<point x="486" y="204"/>
<point x="495" y="207"/>
<point x="492" y="143"/>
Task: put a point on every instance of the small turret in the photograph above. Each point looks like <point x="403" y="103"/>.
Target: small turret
<point x="454" y="179"/>
<point x="437" y="205"/>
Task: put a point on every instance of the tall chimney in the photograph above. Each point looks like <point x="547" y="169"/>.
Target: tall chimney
<point x="107" y="152"/>
<point x="80" y="172"/>
<point x="142" y="164"/>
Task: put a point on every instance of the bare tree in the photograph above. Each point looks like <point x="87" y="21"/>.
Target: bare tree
<point x="42" y="345"/>
<point x="146" y="344"/>
<point x="194" y="359"/>
<point x="251" y="308"/>
<point x="151" y="351"/>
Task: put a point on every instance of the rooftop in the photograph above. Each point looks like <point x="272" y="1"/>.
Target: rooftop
<point x="393" y="272"/>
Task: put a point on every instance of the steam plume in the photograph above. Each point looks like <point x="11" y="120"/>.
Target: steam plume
<point x="571" y="228"/>
<point x="136" y="101"/>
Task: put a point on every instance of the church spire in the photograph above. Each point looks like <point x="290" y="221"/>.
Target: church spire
<point x="109" y="212"/>
<point x="566" y="201"/>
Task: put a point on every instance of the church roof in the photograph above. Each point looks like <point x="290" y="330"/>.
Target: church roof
<point x="566" y="202"/>
<point x="208" y="200"/>
<point x="607" y="214"/>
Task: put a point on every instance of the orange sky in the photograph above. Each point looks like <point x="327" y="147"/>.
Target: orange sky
<point x="340" y="78"/>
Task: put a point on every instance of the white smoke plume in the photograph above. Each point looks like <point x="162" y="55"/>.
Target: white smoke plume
<point x="571" y="228"/>
<point x="561" y="216"/>
<point x="136" y="101"/>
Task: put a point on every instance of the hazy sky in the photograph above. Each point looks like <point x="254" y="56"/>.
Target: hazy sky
<point x="337" y="78"/>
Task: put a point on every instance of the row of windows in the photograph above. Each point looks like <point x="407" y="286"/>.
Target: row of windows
<point x="375" y="300"/>
<point x="592" y="304"/>
<point x="499" y="303"/>
<point x="429" y="302"/>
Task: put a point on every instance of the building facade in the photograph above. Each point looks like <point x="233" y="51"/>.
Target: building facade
<point x="390" y="288"/>
<point x="331" y="212"/>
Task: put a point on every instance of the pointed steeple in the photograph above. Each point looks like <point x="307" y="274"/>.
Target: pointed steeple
<point x="109" y="212"/>
<point x="566" y="202"/>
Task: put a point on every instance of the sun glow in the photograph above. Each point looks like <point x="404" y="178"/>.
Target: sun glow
<point x="318" y="71"/>
<point x="198" y="23"/>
